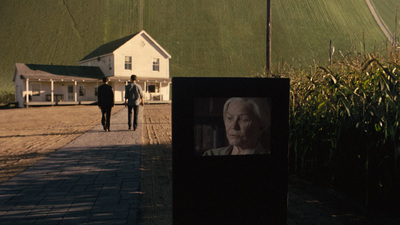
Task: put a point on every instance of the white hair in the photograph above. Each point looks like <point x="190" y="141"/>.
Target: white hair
<point x="259" y="106"/>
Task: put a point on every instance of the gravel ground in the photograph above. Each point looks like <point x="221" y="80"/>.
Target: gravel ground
<point x="29" y="134"/>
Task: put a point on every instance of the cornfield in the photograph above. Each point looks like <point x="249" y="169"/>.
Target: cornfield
<point x="345" y="125"/>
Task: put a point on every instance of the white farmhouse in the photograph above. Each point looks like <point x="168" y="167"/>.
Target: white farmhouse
<point x="137" y="54"/>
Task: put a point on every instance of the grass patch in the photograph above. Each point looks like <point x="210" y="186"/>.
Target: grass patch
<point x="388" y="11"/>
<point x="6" y="97"/>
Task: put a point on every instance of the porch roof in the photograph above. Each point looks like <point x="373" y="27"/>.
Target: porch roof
<point x="139" y="79"/>
<point x="58" y="73"/>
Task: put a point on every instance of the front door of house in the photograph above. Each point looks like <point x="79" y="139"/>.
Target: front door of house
<point x="70" y="93"/>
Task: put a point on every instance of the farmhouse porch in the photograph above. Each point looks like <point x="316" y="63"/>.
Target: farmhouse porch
<point x="155" y="90"/>
<point x="38" y="85"/>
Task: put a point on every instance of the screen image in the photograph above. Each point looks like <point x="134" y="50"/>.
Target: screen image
<point x="232" y="126"/>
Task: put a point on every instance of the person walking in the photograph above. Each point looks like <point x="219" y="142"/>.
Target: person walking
<point x="105" y="99"/>
<point x="133" y="98"/>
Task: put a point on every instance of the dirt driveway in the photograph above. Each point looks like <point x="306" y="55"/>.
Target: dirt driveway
<point x="27" y="135"/>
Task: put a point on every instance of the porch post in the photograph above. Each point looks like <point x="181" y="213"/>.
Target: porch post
<point x="159" y="91"/>
<point x="52" y="90"/>
<point x="145" y="90"/>
<point x="169" y="90"/>
<point x="27" y="92"/>
<point x="75" y="91"/>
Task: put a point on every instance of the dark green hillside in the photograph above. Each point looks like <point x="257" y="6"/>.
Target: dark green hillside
<point x="57" y="32"/>
<point x="387" y="10"/>
<point x="210" y="38"/>
<point x="302" y="29"/>
<point x="205" y="38"/>
<point x="227" y="38"/>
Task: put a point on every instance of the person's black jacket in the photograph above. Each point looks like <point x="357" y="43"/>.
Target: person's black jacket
<point x="105" y="96"/>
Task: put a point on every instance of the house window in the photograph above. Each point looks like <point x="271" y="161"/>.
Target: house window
<point x="128" y="62"/>
<point x="35" y="89"/>
<point x="82" y="90"/>
<point x="156" y="64"/>
<point x="70" y="92"/>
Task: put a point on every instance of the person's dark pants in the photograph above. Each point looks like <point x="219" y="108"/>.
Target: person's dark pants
<point x="135" y="115"/>
<point x="105" y="117"/>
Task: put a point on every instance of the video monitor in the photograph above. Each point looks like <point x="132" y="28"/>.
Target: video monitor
<point x="230" y="147"/>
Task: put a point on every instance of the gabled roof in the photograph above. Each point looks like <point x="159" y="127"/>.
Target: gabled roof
<point x="56" y="72"/>
<point x="110" y="47"/>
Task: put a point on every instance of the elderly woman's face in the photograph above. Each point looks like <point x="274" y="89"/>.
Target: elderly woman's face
<point x="241" y="125"/>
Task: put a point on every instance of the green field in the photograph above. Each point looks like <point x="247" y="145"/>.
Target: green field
<point x="205" y="38"/>
<point x="303" y="29"/>
<point x="210" y="38"/>
<point x="57" y="32"/>
<point x="388" y="10"/>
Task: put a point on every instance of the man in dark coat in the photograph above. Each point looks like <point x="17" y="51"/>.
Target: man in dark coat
<point x="105" y="98"/>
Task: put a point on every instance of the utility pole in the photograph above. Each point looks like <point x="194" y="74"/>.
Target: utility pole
<point x="268" y="58"/>
<point x="395" y="28"/>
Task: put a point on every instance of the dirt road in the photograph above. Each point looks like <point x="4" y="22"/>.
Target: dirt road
<point x="27" y="135"/>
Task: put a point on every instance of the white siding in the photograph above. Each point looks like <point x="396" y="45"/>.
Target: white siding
<point x="106" y="64"/>
<point x="143" y="52"/>
<point x="119" y="92"/>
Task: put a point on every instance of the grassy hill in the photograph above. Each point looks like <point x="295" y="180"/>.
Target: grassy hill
<point x="303" y="29"/>
<point x="205" y="38"/>
<point x="388" y="10"/>
<point x="58" y="32"/>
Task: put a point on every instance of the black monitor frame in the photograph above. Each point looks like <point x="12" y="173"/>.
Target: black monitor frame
<point x="235" y="189"/>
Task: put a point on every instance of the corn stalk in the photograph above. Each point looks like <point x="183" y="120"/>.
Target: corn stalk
<point x="344" y="124"/>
